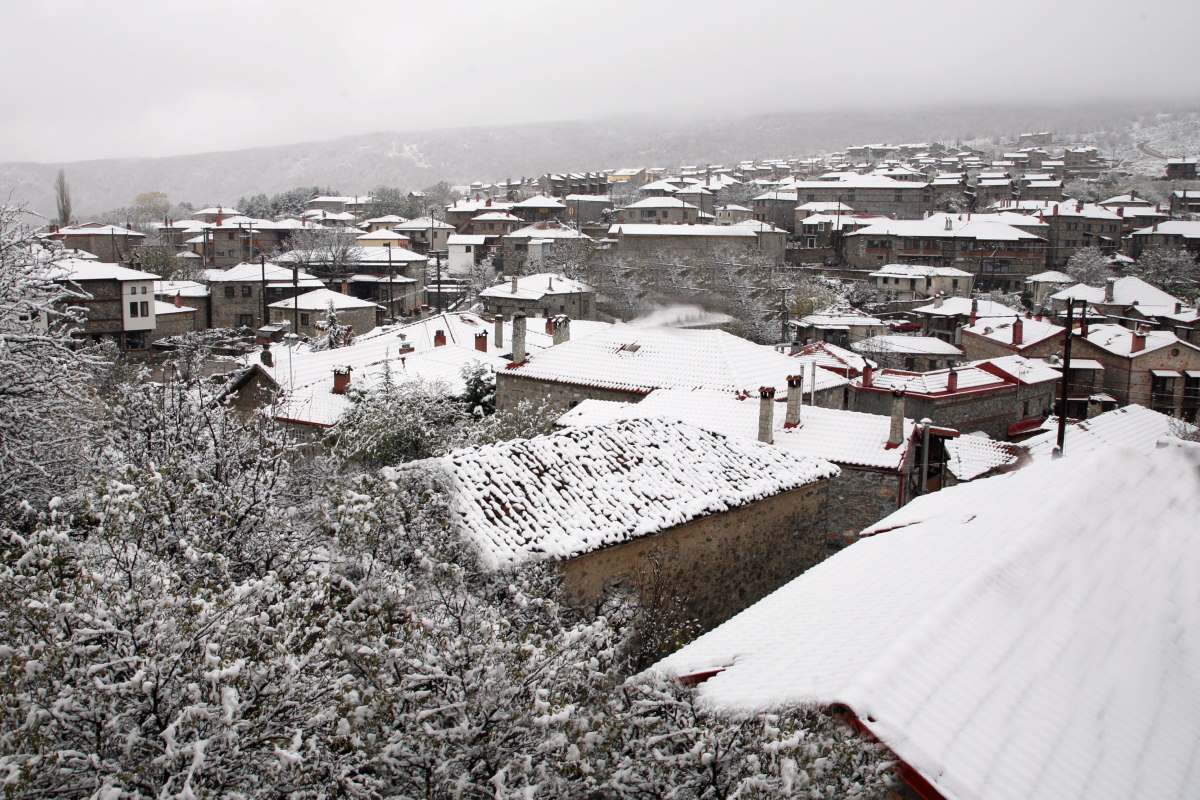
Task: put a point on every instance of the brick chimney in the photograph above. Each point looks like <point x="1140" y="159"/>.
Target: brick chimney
<point x="265" y="356"/>
<point x="439" y="338"/>
<point x="481" y="341"/>
<point x="867" y="374"/>
<point x="498" y="335"/>
<point x="974" y="311"/>
<point x="179" y="302"/>
<point x="766" y="414"/>
<point x="795" y="400"/>
<point x="1110" y="286"/>
<point x="896" y="431"/>
<point x="562" y="329"/>
<point x="1137" y="342"/>
<point x="345" y="287"/>
<point x="549" y="326"/>
<point x="952" y="380"/>
<point x="518" y="344"/>
<point x="1083" y="325"/>
<point x="341" y="379"/>
<point x="1018" y="332"/>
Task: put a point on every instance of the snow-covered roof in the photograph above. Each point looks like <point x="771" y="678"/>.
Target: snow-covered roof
<point x="848" y="438"/>
<point x="634" y="229"/>
<point x="838" y="319"/>
<point x="972" y="456"/>
<point x="1005" y="641"/>
<point x="381" y="235"/>
<point x="852" y="180"/>
<point x="478" y="204"/>
<point x="819" y="206"/>
<point x="837" y="222"/>
<point x="961" y="307"/>
<point x="162" y="309"/>
<point x="832" y="357"/>
<point x="496" y="216"/>
<point x="181" y="288"/>
<point x="956" y="226"/>
<point x="659" y="202"/>
<point x="321" y="299"/>
<point x="588" y="198"/>
<point x="778" y="195"/>
<point x="422" y="224"/>
<point x="1119" y="341"/>
<point x="1000" y="330"/>
<point x="81" y="269"/>
<point x="1133" y="426"/>
<point x="385" y="219"/>
<point x="905" y="344"/>
<point x="253" y="273"/>
<point x="465" y="239"/>
<point x="540" y="201"/>
<point x="1050" y="276"/>
<point x="535" y="287"/>
<point x="581" y="489"/>
<point x="732" y="207"/>
<point x="758" y="226"/>
<point x="639" y="359"/>
<point x="213" y="211"/>
<point x="1074" y="208"/>
<point x="1188" y="229"/>
<point x="541" y="230"/>
<point x="918" y="271"/>
<point x="98" y="230"/>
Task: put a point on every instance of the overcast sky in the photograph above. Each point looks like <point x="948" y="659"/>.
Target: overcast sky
<point x="102" y="79"/>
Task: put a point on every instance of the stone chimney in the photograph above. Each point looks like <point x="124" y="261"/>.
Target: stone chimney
<point x="938" y="300"/>
<point x="1083" y="325"/>
<point x="562" y="329"/>
<point x="266" y="357"/>
<point x="1018" y="332"/>
<point x="952" y="380"/>
<point x="867" y="374"/>
<point x="341" y="379"/>
<point x="498" y="337"/>
<point x="795" y="401"/>
<point x="518" y="344"/>
<point x="439" y="338"/>
<point x="1110" y="286"/>
<point x="958" y="335"/>
<point x="896" y="432"/>
<point x="1137" y="342"/>
<point x="766" y="414"/>
<point x="481" y="341"/>
<point x="1178" y="306"/>
<point x="513" y="285"/>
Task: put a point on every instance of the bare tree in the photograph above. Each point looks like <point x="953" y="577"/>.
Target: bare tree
<point x="325" y="251"/>
<point x="62" y="198"/>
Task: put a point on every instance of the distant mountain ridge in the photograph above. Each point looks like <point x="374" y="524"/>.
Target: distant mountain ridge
<point x="419" y="158"/>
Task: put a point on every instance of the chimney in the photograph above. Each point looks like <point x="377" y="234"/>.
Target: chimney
<point x="937" y="300"/>
<point x="513" y="288"/>
<point x="952" y="380"/>
<point x="958" y="335"/>
<point x="265" y="356"/>
<point x="498" y="336"/>
<point x="867" y="374"/>
<point x="1178" y="306"/>
<point x="481" y="341"/>
<point x="549" y="326"/>
<point x="1083" y="329"/>
<point x="341" y="379"/>
<point x="766" y="413"/>
<point x="518" y="343"/>
<point x="345" y="287"/>
<point x="439" y="338"/>
<point x="179" y="302"/>
<point x="1018" y="332"/>
<point x="562" y="329"/>
<point x="1137" y="342"/>
<point x="1109" y="289"/>
<point x="896" y="432"/>
<point x="795" y="400"/>
<point x="974" y="311"/>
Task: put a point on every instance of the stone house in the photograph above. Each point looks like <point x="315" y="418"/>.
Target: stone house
<point x="698" y="196"/>
<point x="192" y="294"/>
<point x="383" y="223"/>
<point x="384" y="237"/>
<point x="659" y="211"/>
<point x="540" y="295"/>
<point x="117" y="302"/>
<point x="307" y="312"/>
<point x="776" y="207"/>
<point x="174" y="319"/>
<point x="540" y="208"/>
<point x="945" y="315"/>
<point x="907" y="282"/>
<point x="1182" y="169"/>
<point x="215" y="213"/>
<point x="904" y="351"/>
<point x="1042" y="285"/>
<point x="494" y="223"/>
<point x="1030" y="336"/>
<point x="464" y="251"/>
<point x="1123" y="299"/>
<point x="1001" y="397"/>
<point x="239" y="296"/>
<point x="998" y="249"/>
<point x="463" y="210"/>
<point x="627" y="362"/>
<point x="427" y="234"/>
<point x="588" y="209"/>
<point x="870" y="194"/>
<point x="1185" y="201"/>
<point x="561" y="184"/>
<point x="721" y="520"/>
<point x="531" y="245"/>
<point x="1171" y="235"/>
<point x="841" y="328"/>
<point x="109" y="243"/>
<point x="732" y="213"/>
<point x="1155" y="369"/>
<point x="1074" y="225"/>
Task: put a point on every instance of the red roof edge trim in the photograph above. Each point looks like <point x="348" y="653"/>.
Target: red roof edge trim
<point x="696" y="678"/>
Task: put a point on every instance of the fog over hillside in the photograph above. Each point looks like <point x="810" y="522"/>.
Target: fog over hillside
<point x="414" y="159"/>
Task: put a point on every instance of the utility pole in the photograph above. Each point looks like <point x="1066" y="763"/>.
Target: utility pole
<point x="1062" y="410"/>
<point x="783" y="316"/>
<point x="438" y="292"/>
<point x="296" y="299"/>
<point x="391" y="272"/>
<point x="262" y="266"/>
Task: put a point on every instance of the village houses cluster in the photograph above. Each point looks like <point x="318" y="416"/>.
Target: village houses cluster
<point x="846" y="507"/>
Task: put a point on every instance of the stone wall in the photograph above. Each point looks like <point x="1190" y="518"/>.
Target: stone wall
<point x="511" y="390"/>
<point x="991" y="411"/>
<point x="862" y="497"/>
<point x="175" y="324"/>
<point x="1129" y="379"/>
<point x="976" y="347"/>
<point x="718" y="564"/>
